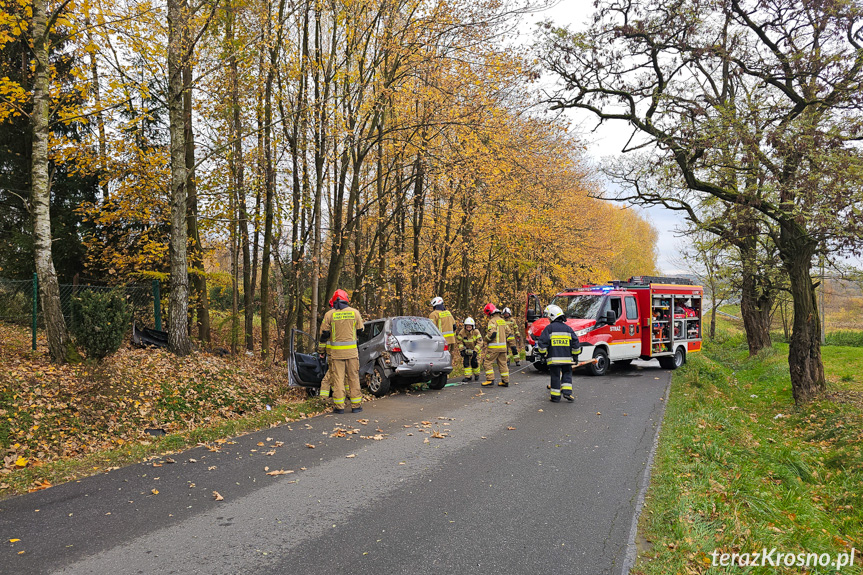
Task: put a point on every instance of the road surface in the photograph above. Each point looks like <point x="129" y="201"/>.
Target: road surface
<point x="497" y="480"/>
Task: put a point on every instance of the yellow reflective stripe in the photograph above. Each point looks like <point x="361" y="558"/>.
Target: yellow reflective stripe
<point x="325" y="393"/>
<point x="339" y="400"/>
<point x="564" y="340"/>
<point x="448" y="333"/>
<point x="504" y="374"/>
<point x="356" y="399"/>
<point x="343" y="344"/>
<point x="558" y="361"/>
<point x="555" y="391"/>
<point x="566" y="387"/>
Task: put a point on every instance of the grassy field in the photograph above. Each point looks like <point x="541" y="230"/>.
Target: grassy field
<point x="739" y="468"/>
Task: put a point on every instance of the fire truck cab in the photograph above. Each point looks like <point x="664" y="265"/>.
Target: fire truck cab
<point x="641" y="318"/>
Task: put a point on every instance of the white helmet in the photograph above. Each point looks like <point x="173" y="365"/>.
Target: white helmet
<point x="552" y="312"/>
<point x="469" y="321"/>
<point x="506" y="310"/>
<point x="436" y="301"/>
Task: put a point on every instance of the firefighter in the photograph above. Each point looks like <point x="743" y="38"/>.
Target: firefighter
<point x="339" y="339"/>
<point x="497" y="337"/>
<point x="468" y="346"/>
<point x="513" y="325"/>
<point x="445" y="323"/>
<point x="560" y="345"/>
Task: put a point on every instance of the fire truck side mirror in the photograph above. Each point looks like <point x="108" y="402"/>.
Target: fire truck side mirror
<point x="610" y="317"/>
<point x="531" y="316"/>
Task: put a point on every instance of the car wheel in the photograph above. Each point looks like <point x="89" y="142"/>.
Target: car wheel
<point x="601" y="365"/>
<point x="675" y="361"/>
<point x="438" y="381"/>
<point x="378" y="382"/>
<point x="313" y="391"/>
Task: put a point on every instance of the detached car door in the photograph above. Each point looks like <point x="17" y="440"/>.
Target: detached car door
<point x="306" y="369"/>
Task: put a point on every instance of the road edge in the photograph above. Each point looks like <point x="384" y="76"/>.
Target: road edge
<point x="631" y="547"/>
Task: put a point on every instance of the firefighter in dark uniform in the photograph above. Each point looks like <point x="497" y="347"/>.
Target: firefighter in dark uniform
<point x="560" y="346"/>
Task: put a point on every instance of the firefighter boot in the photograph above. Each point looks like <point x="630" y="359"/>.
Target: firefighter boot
<point x="476" y="377"/>
<point x="555" y="399"/>
<point x="488" y="383"/>
<point x="568" y="397"/>
<point x="465" y="379"/>
<point x="503" y="384"/>
<point x="338" y="410"/>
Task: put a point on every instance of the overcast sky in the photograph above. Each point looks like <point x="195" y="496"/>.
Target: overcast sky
<point x="610" y="139"/>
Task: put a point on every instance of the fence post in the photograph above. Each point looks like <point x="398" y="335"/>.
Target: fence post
<point x="157" y="305"/>
<point x="35" y="306"/>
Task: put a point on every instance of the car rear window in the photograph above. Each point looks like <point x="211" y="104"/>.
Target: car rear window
<point x="414" y="326"/>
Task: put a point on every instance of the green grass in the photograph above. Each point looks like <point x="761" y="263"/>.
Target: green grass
<point x="740" y="468"/>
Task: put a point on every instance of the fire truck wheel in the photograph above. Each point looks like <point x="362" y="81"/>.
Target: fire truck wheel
<point x="675" y="361"/>
<point x="601" y="365"/>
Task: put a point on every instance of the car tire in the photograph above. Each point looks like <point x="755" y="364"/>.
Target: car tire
<point x="601" y="365"/>
<point x="675" y="361"/>
<point x="313" y="391"/>
<point x="438" y="381"/>
<point x="378" y="382"/>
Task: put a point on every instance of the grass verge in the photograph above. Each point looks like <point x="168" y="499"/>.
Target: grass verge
<point x="739" y="468"/>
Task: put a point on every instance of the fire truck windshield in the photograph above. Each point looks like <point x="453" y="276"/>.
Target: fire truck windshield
<point x="579" y="306"/>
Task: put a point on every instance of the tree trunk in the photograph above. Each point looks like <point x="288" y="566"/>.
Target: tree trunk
<point x="804" y="350"/>
<point x="196" y="250"/>
<point x="179" y="298"/>
<point x="755" y="304"/>
<point x="49" y="290"/>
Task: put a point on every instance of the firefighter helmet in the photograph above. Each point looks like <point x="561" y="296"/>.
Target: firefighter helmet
<point x="506" y="311"/>
<point x="436" y="301"/>
<point x="552" y="312"/>
<point x="339" y="294"/>
<point x="469" y="321"/>
<point x="489" y="309"/>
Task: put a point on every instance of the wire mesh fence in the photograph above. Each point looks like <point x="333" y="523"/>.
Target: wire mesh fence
<point x="17" y="305"/>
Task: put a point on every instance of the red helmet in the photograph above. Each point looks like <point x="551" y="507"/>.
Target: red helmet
<point x="339" y="294"/>
<point x="489" y="309"/>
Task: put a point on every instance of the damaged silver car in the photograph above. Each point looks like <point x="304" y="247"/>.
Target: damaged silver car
<point x="393" y="351"/>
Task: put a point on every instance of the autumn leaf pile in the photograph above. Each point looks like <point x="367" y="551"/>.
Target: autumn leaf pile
<point x="49" y="412"/>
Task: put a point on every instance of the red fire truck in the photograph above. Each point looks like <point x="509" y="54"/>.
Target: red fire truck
<point x="641" y="318"/>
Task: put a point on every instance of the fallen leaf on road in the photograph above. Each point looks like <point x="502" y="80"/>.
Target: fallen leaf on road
<point x="351" y="456"/>
<point x="210" y="468"/>
<point x="221" y="441"/>
<point x="260" y="444"/>
<point x="598" y="413"/>
<point x="191" y="485"/>
<point x="426" y="422"/>
<point x="438" y="435"/>
<point x="270" y="453"/>
<point x="310" y="446"/>
<point x="280" y="472"/>
<point x="269" y="439"/>
<point x="217" y="496"/>
<point x="21" y="462"/>
<point x="362" y="421"/>
<point x="401" y="463"/>
<point x="539" y="410"/>
<point x="169" y="460"/>
<point x="408" y="425"/>
<point x="193" y="461"/>
<point x="625" y="414"/>
<point x="511" y="428"/>
<point x="154" y="491"/>
<point x="426" y="440"/>
<point x="14" y="540"/>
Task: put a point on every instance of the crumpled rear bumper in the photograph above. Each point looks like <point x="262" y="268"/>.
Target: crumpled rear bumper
<point x="413" y="367"/>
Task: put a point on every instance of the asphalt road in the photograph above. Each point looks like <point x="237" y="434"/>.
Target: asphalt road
<point x="517" y="484"/>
